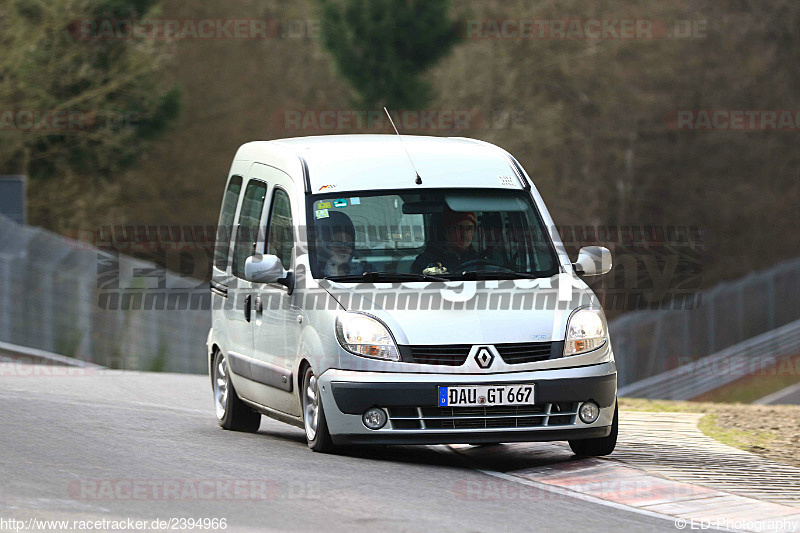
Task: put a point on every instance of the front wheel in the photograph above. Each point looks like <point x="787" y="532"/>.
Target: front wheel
<point x="600" y="446"/>
<point x="317" y="435"/>
<point x="232" y="413"/>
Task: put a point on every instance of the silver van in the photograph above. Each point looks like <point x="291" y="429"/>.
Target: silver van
<point x="404" y="290"/>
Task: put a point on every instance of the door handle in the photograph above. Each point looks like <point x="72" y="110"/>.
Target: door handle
<point x="247" y="300"/>
<point x="258" y="305"/>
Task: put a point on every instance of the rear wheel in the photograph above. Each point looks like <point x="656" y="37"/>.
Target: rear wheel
<point x="232" y="413"/>
<point x="317" y="435"/>
<point x="600" y="446"/>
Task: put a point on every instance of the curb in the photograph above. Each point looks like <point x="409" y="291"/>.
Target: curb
<point x="663" y="466"/>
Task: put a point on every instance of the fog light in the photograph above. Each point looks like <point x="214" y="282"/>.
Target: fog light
<point x="589" y="412"/>
<point x="374" y="418"/>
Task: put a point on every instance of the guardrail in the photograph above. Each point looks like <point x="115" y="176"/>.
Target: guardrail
<point x="716" y="370"/>
<point x="14" y="352"/>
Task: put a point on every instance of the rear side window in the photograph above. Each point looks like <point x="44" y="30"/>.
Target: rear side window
<point x="249" y="218"/>
<point x="281" y="238"/>
<point x="225" y="227"/>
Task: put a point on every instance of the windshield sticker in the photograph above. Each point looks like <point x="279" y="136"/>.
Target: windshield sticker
<point x="355" y="200"/>
<point x="326" y="187"/>
<point x="340" y="202"/>
<point x="323" y="205"/>
<point x="506" y="181"/>
<point x="321" y="213"/>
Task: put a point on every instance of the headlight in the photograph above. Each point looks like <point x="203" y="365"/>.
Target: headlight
<point x="366" y="336"/>
<point x="586" y="331"/>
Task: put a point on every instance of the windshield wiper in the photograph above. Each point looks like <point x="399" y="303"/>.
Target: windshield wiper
<point x="471" y="275"/>
<point x="370" y="277"/>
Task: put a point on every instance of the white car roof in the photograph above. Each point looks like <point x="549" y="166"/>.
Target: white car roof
<point x="367" y="162"/>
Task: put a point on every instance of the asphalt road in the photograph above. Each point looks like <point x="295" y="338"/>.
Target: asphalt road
<point x="791" y="397"/>
<point x="118" y="446"/>
<point x="788" y="396"/>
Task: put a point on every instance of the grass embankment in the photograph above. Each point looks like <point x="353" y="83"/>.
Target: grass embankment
<point x="772" y="431"/>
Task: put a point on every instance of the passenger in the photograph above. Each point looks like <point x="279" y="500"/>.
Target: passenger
<point x="335" y="242"/>
<point x="442" y="258"/>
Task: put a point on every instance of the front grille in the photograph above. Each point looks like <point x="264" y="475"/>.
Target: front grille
<point x="514" y="416"/>
<point x="456" y="354"/>
<point x="444" y="354"/>
<point x="524" y="352"/>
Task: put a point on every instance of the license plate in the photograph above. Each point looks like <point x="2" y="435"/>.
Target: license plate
<point x="486" y="395"/>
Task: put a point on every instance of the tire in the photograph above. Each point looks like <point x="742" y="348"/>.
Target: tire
<point x="601" y="446"/>
<point x="232" y="413"/>
<point x="317" y="435"/>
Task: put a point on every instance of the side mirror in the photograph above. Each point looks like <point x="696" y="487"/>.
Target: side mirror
<point x="264" y="269"/>
<point x="593" y="261"/>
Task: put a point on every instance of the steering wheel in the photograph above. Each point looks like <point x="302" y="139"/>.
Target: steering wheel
<point x="467" y="265"/>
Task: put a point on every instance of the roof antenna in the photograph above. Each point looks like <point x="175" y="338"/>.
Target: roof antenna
<point x="418" y="181"/>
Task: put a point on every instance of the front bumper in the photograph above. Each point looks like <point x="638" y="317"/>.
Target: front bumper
<point x="415" y="418"/>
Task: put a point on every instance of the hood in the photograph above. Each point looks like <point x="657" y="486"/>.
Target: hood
<point x="468" y="312"/>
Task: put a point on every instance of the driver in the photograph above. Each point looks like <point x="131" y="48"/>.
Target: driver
<point x="334" y="241"/>
<point x="459" y="231"/>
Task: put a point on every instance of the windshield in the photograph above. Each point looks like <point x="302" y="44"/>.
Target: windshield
<point x="434" y="235"/>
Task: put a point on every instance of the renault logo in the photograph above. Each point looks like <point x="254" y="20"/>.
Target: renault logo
<point x="484" y="357"/>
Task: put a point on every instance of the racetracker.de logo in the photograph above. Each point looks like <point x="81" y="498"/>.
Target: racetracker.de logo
<point x="191" y="29"/>
<point x="191" y="489"/>
<point x="49" y="120"/>
<point x="584" y="29"/>
<point x="405" y="120"/>
<point x="733" y="119"/>
<point x="28" y="367"/>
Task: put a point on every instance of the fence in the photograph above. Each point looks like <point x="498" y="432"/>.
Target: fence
<point x="50" y="291"/>
<point x="647" y="343"/>
<point x="753" y="356"/>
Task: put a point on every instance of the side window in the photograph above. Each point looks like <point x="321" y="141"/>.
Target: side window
<point x="225" y="227"/>
<point x="249" y="218"/>
<point x="281" y="229"/>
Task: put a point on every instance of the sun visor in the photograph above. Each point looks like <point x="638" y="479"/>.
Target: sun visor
<point x="483" y="202"/>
